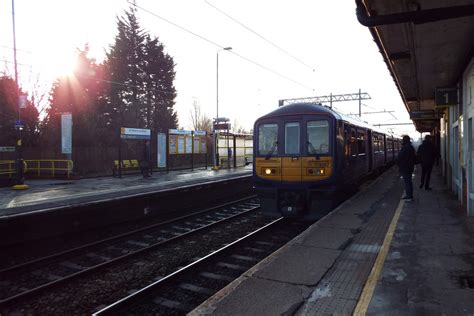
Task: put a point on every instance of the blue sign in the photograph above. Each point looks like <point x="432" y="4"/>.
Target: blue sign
<point x="18" y="123"/>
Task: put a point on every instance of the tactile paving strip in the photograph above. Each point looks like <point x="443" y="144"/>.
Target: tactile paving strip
<point x="339" y="290"/>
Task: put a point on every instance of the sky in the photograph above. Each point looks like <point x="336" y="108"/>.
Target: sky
<point x="310" y="48"/>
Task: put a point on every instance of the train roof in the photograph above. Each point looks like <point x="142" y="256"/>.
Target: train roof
<point x="308" y="108"/>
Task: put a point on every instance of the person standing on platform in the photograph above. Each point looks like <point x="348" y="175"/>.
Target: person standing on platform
<point x="145" y="163"/>
<point x="406" y="165"/>
<point x="427" y="154"/>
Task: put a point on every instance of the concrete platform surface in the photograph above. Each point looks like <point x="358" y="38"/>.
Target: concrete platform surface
<point x="45" y="194"/>
<point x="325" y="270"/>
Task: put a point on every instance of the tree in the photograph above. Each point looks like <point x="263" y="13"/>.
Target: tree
<point x="201" y="122"/>
<point x="9" y="115"/>
<point x="141" y="74"/>
<point x="161" y="93"/>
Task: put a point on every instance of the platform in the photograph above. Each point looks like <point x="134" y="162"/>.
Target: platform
<point x="374" y="254"/>
<point x="52" y="194"/>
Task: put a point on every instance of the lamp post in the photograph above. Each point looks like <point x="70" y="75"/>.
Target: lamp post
<point x="19" y="181"/>
<point x="216" y="140"/>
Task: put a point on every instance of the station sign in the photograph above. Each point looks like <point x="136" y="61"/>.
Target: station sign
<point x="221" y="119"/>
<point x="19" y="125"/>
<point x="222" y="126"/>
<point x="22" y="101"/>
<point x="424" y="115"/>
<point x="446" y="96"/>
<point x="180" y="132"/>
<point x="135" y="133"/>
<point x="7" y="149"/>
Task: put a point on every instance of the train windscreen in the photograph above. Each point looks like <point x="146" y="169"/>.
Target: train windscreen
<point x="268" y="139"/>
<point x="318" y="137"/>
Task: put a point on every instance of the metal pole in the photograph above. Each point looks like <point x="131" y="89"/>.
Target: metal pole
<point x="360" y="104"/>
<point x="192" y="150"/>
<point x="216" y="139"/>
<point x="19" y="154"/>
<point x="217" y="84"/>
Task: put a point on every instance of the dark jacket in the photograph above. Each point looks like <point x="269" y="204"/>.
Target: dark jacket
<point x="146" y="154"/>
<point x="427" y="153"/>
<point x="406" y="158"/>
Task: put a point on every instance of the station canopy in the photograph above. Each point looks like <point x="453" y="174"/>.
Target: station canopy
<point x="426" y="44"/>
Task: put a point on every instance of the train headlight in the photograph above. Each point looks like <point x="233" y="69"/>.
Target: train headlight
<point x="268" y="171"/>
<point x="321" y="171"/>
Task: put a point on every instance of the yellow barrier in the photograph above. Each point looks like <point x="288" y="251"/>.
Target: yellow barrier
<point x="53" y="166"/>
<point x="7" y="167"/>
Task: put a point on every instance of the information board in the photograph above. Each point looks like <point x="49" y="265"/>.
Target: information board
<point x="189" y="144"/>
<point x="180" y="144"/>
<point x="66" y="133"/>
<point x="161" y="152"/>
<point x="172" y="144"/>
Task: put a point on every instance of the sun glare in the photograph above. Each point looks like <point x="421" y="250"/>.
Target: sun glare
<point x="58" y="65"/>
<point x="64" y="65"/>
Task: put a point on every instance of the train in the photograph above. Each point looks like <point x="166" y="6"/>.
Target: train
<point x="308" y="157"/>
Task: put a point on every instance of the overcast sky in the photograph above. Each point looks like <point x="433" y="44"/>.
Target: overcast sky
<point x="327" y="51"/>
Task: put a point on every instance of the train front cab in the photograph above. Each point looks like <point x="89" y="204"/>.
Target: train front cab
<point x="294" y="163"/>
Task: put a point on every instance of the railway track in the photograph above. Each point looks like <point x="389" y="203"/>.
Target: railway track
<point x="30" y="278"/>
<point x="181" y="291"/>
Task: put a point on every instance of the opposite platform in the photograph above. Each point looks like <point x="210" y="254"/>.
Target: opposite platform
<point x="326" y="269"/>
<point x="52" y="194"/>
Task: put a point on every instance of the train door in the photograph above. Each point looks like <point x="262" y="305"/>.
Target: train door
<point x="370" y="152"/>
<point x="347" y="149"/>
<point x="362" y="159"/>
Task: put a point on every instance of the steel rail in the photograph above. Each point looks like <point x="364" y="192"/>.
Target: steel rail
<point x="14" y="298"/>
<point x="128" y="300"/>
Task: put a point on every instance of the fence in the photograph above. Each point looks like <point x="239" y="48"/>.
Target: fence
<point x="99" y="161"/>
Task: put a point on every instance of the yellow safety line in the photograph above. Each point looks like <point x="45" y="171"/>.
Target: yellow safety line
<point x="368" y="291"/>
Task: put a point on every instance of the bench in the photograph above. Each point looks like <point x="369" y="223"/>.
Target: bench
<point x="127" y="164"/>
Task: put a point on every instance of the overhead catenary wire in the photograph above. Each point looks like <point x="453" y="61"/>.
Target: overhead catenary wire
<point x="259" y="35"/>
<point x="218" y="45"/>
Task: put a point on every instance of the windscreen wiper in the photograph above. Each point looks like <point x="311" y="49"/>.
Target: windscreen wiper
<point x="313" y="150"/>
<point x="270" y="153"/>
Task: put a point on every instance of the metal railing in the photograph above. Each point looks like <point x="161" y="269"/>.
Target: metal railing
<point x="38" y="167"/>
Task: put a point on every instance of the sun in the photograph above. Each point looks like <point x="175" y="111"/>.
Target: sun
<point x="58" y="64"/>
<point x="64" y="65"/>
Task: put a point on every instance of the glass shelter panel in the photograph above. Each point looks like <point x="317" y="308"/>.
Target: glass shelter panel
<point x="318" y="137"/>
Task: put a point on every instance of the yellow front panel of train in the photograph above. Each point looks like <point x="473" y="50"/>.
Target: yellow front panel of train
<point x="269" y="169"/>
<point x="294" y="169"/>
<point x="314" y="169"/>
<point x="291" y="169"/>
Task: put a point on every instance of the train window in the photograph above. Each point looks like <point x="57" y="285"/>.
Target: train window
<point x="318" y="137"/>
<point x="361" y="143"/>
<point x="292" y="138"/>
<point x="267" y="139"/>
